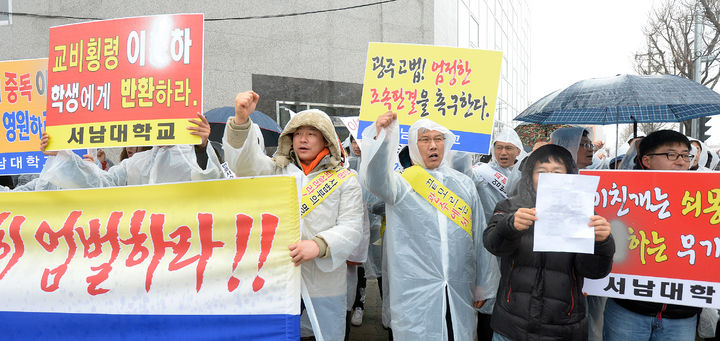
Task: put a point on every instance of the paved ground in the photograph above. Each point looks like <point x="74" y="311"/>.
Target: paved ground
<point x="371" y="328"/>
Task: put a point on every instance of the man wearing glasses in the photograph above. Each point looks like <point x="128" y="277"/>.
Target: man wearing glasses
<point x="639" y="320"/>
<point x="438" y="269"/>
<point x="668" y="150"/>
<point x="577" y="141"/>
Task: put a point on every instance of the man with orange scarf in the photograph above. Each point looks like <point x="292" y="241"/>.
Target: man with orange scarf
<point x="331" y="222"/>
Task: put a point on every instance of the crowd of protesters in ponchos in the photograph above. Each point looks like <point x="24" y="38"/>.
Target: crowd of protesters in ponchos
<point x="438" y="280"/>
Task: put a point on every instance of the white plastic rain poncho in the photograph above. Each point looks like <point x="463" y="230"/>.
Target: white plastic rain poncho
<point x="507" y="135"/>
<point x="373" y="264"/>
<point x="359" y="255"/>
<point x="374" y="253"/>
<point x="161" y="164"/>
<point x="492" y="187"/>
<point x="568" y="138"/>
<point x="714" y="160"/>
<point x="491" y="194"/>
<point x="630" y="158"/>
<point x="480" y="174"/>
<point x="337" y="220"/>
<point x="707" y="160"/>
<point x="600" y="160"/>
<point x="36" y="184"/>
<point x="432" y="263"/>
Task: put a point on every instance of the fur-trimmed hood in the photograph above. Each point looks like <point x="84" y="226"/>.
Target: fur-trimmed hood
<point x="314" y="118"/>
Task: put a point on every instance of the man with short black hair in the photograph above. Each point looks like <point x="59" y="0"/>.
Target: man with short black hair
<point x="639" y="320"/>
<point x="664" y="150"/>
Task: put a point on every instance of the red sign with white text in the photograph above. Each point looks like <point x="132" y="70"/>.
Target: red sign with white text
<point x="666" y="227"/>
<point x="125" y="82"/>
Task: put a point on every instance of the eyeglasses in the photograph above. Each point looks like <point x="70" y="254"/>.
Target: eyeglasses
<point x="436" y="139"/>
<point x="588" y="146"/>
<point x="672" y="156"/>
<point x="507" y="148"/>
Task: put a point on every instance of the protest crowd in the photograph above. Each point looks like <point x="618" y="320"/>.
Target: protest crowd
<point x="546" y="235"/>
<point x="470" y="275"/>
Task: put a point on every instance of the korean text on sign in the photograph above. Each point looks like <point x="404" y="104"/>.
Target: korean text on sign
<point x="23" y="89"/>
<point x="451" y="86"/>
<point x="667" y="242"/>
<point x="122" y="71"/>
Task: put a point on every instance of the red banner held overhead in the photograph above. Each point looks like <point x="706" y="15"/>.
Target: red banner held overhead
<point x="125" y="82"/>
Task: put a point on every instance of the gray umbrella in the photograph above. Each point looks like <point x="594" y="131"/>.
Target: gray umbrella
<point x="625" y="99"/>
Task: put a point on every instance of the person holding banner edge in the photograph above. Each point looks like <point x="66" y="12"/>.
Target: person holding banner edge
<point x="331" y="227"/>
<point x="640" y="320"/>
<point x="160" y="164"/>
<point x="438" y="271"/>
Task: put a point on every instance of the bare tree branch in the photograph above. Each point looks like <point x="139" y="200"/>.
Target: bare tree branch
<point x="670" y="40"/>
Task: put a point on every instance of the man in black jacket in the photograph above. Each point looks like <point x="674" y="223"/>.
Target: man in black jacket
<point x="540" y="294"/>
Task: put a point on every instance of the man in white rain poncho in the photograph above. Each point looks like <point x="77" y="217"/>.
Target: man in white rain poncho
<point x="161" y="164"/>
<point x="492" y="180"/>
<point x="437" y="267"/>
<point x="331" y="228"/>
<point x="507" y="150"/>
<point x="495" y="178"/>
<point x="577" y="141"/>
<point x="704" y="159"/>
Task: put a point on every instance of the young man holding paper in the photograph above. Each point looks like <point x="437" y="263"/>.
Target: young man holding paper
<point x="540" y="294"/>
<point x="438" y="270"/>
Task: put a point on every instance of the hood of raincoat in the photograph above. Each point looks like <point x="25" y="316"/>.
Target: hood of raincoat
<point x="507" y="135"/>
<point x="314" y="118"/>
<point x="569" y="138"/>
<point x="428" y="125"/>
<point x="703" y="155"/>
<point x="353" y="160"/>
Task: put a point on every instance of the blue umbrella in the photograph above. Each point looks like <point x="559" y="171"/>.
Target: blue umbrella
<point x="218" y="117"/>
<point x="625" y="99"/>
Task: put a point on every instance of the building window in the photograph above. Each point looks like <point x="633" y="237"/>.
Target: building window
<point x="5" y="10"/>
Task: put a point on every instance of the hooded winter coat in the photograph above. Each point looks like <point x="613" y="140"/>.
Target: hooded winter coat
<point x="433" y="265"/>
<point x="337" y="220"/>
<point x="540" y="295"/>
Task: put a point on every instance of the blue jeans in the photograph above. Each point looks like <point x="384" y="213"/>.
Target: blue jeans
<point x="499" y="337"/>
<point x="622" y="324"/>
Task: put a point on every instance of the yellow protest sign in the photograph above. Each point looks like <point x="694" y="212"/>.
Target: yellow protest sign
<point x="22" y="106"/>
<point x="200" y="248"/>
<point x="454" y="87"/>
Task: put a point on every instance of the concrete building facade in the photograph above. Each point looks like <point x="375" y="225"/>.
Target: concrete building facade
<point x="301" y="54"/>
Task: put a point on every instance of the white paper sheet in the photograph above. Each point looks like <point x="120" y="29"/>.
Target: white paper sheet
<point x="564" y="205"/>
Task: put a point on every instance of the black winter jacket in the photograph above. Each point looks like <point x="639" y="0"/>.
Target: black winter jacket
<point x="540" y="294"/>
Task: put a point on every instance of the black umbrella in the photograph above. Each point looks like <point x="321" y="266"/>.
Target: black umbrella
<point x="218" y="118"/>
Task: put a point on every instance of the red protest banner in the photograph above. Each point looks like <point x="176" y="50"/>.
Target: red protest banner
<point x="125" y="82"/>
<point x="667" y="233"/>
